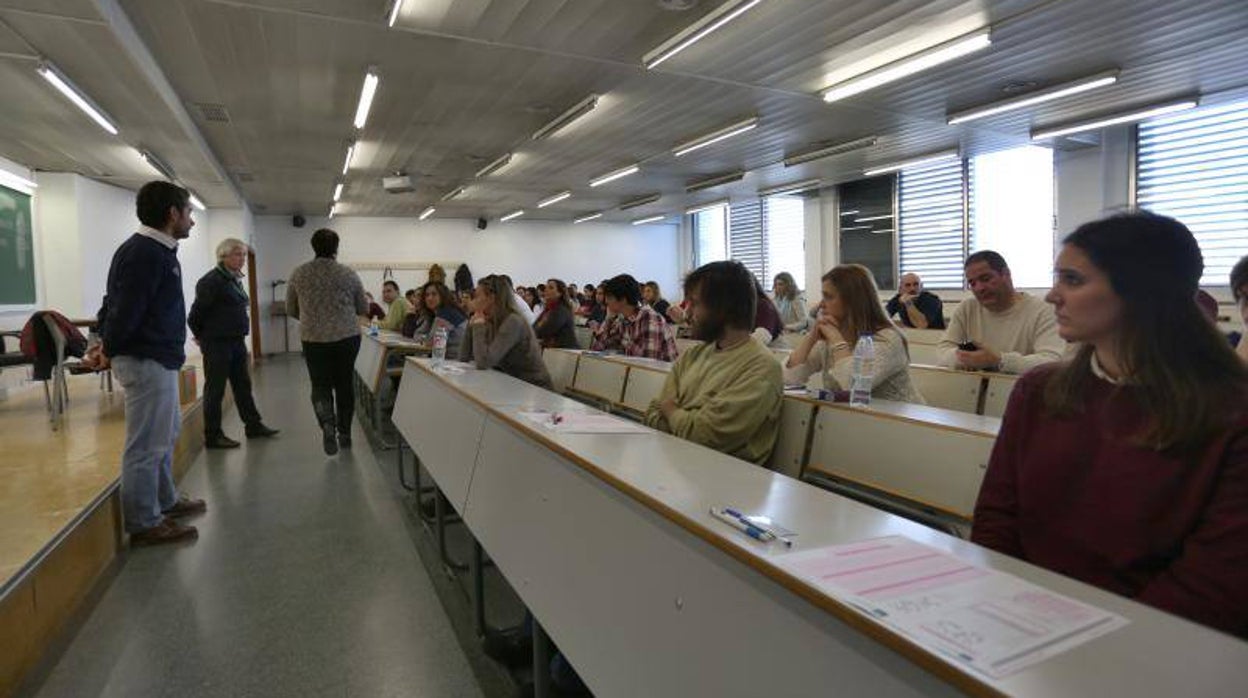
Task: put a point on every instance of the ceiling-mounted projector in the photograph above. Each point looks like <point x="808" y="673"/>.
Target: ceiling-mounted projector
<point x="399" y="183"/>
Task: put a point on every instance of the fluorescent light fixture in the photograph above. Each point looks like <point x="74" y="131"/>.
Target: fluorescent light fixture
<point x="337" y="191"/>
<point x="333" y="210"/>
<point x="700" y="208"/>
<point x="18" y="182"/>
<point x="565" y="119"/>
<point x="640" y="201"/>
<point x="196" y="202"/>
<point x="612" y="176"/>
<point x="346" y="164"/>
<point x="697" y="31"/>
<point x="366" y="96"/>
<point x="495" y="166"/>
<point x="716" y="136"/>
<point x="77" y="96"/>
<point x="853" y="212"/>
<point x="509" y="216"/>
<point x="427" y="212"/>
<point x="157" y="164"/>
<point x="921" y="160"/>
<point x="943" y="53"/>
<point x="394" y="13"/>
<point x="889" y="217"/>
<point x="827" y="150"/>
<point x="651" y="219"/>
<point x="714" y="181"/>
<point x="457" y="191"/>
<point x="1047" y="94"/>
<point x="554" y="199"/>
<point x="1111" y="120"/>
<point x="793" y="188"/>
<point x="587" y="217"/>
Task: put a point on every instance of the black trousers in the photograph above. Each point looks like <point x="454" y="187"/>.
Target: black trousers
<point x="225" y="360"/>
<point x="331" y="366"/>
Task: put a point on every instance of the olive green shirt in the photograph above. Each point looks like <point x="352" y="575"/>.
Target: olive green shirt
<point x="398" y="310"/>
<point x="728" y="400"/>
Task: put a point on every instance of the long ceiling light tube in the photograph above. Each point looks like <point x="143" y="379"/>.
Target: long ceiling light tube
<point x="650" y="219"/>
<point x="913" y="162"/>
<point x="457" y="191"/>
<point x="394" y="13"/>
<point x="714" y="181"/>
<point x="346" y="163"/>
<point x="897" y="70"/>
<point x="822" y="151"/>
<point x="1048" y="94"/>
<point x="612" y="176"/>
<point x="640" y="201"/>
<point x="587" y="218"/>
<point x="554" y="199"/>
<point x="716" y="136"/>
<point x="565" y="119"/>
<point x="80" y="99"/>
<point x="427" y="212"/>
<point x="367" y="92"/>
<point x="495" y="166"/>
<point x="510" y="216"/>
<point x="195" y="201"/>
<point x="697" y="31"/>
<point x="157" y="164"/>
<point x="337" y="192"/>
<point x="1047" y="132"/>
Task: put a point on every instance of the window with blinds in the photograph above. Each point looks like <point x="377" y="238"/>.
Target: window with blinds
<point x="1193" y="166"/>
<point x="710" y="236"/>
<point x="931" y="240"/>
<point x="785" y="228"/>
<point x="745" y="237"/>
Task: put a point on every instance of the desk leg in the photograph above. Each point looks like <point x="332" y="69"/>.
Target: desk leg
<point x="478" y="589"/>
<point x="439" y="512"/>
<point x="541" y="661"/>
<point x="398" y="454"/>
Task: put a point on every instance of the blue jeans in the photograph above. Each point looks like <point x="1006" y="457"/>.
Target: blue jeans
<point x="153" y="419"/>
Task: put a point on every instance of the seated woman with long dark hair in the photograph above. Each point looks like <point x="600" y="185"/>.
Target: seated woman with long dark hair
<point x="850" y="309"/>
<point x="499" y="337"/>
<point x="440" y="310"/>
<point x="556" y="327"/>
<point x="1126" y="466"/>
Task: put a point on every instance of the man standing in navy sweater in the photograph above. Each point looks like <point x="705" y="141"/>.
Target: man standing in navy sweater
<point x="143" y="328"/>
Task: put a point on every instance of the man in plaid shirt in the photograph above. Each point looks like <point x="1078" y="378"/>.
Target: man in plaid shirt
<point x="632" y="327"/>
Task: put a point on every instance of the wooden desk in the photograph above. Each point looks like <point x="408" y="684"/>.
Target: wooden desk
<point x="370" y="373"/>
<point x="607" y="539"/>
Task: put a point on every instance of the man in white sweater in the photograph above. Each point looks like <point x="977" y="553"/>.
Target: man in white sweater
<point x="1000" y="329"/>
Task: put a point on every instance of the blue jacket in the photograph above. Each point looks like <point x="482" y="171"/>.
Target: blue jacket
<point x="220" y="307"/>
<point x="144" y="314"/>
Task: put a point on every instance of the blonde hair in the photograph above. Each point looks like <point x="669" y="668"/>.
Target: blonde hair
<point x="860" y="297"/>
<point x="228" y="245"/>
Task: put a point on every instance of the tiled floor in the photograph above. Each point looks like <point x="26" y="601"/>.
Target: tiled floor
<point x="304" y="582"/>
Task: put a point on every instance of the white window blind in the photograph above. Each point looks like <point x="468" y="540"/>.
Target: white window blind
<point x="786" y="237"/>
<point x="1193" y="166"/>
<point x="710" y="235"/>
<point x="745" y="237"/>
<point x="1011" y="211"/>
<point x="931" y="241"/>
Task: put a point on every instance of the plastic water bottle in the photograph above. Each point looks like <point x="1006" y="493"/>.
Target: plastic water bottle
<point x="439" y="346"/>
<point x="864" y="371"/>
<point x="373" y="328"/>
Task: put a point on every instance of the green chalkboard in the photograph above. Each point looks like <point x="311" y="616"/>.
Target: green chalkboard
<point x="17" y="250"/>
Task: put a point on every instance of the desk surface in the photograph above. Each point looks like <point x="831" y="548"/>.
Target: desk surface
<point x="679" y="481"/>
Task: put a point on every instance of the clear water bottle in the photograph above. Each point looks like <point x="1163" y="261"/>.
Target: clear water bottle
<point x="373" y="328"/>
<point x="439" y="346"/>
<point x="864" y="371"/>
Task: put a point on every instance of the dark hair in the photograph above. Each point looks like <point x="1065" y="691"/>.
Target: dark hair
<point x="1239" y="277"/>
<point x="156" y="198"/>
<point x="995" y="261"/>
<point x="446" y="299"/>
<point x="463" y="279"/>
<point x="624" y="287"/>
<point x="325" y="243"/>
<point x="727" y="290"/>
<point x="390" y="283"/>
<point x="1182" y="371"/>
<point x="565" y="293"/>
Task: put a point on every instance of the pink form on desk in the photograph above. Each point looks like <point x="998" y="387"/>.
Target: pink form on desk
<point x="986" y="620"/>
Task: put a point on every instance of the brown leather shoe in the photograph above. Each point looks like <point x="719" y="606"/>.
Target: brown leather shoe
<point x="185" y="506"/>
<point x="166" y="531"/>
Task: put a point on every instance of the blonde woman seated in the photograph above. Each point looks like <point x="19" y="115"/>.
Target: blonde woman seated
<point x="851" y="308"/>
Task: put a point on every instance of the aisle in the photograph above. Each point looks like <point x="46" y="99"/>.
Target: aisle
<point x="304" y="582"/>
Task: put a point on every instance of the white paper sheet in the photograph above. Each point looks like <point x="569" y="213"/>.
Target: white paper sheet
<point x="985" y="620"/>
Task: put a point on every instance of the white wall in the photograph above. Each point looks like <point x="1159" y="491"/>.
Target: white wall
<point x="529" y="251"/>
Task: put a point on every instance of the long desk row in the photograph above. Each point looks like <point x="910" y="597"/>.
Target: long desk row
<point x="372" y="368"/>
<point x="606" y="538"/>
<point x="870" y="452"/>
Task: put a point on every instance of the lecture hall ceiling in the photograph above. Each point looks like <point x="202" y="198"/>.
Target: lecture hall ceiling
<point x="272" y="86"/>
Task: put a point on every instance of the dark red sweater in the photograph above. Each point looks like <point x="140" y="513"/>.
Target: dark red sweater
<point x="1077" y="497"/>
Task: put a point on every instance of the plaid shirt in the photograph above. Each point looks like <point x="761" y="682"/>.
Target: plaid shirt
<point x="647" y="334"/>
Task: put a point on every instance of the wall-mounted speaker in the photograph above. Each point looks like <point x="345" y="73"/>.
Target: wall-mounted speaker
<point x="298" y="220"/>
<point x="481" y="223"/>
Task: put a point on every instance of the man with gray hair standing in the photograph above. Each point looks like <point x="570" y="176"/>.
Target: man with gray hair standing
<point x="218" y="321"/>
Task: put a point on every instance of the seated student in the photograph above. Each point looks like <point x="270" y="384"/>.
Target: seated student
<point x="1011" y="331"/>
<point x="790" y="303"/>
<point x="632" y="327"/>
<point x="396" y="307"/>
<point x="412" y="296"/>
<point x="500" y="337"/>
<point x="375" y="311"/>
<point x="585" y="301"/>
<point x="767" y="325"/>
<point x="440" y="311"/>
<point x="725" y="393"/>
<point x="1126" y="466"/>
<point x="598" y="311"/>
<point x="1239" y="291"/>
<point x="915" y="307"/>
<point x="851" y="308"/>
<point x="653" y="296"/>
<point x="555" y="327"/>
